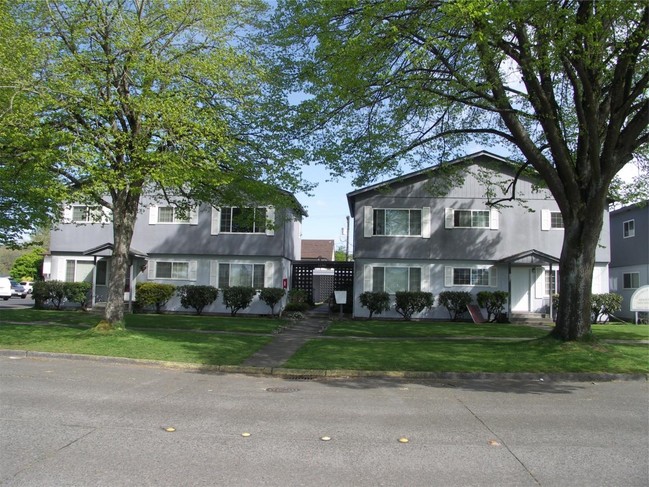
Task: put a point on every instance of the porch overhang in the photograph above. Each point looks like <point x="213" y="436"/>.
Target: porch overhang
<point x="106" y="250"/>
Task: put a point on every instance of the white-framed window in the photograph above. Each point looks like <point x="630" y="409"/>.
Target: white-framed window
<point x="551" y="220"/>
<point x="631" y="280"/>
<point x="392" y="279"/>
<point x="101" y="273"/>
<point x="628" y="229"/>
<point x="161" y="215"/>
<point x="243" y="220"/>
<point x="470" y="276"/>
<point x="237" y="274"/>
<point x="469" y="218"/>
<point x="181" y="270"/>
<point x="397" y="222"/>
<point x="86" y="214"/>
<point x="551" y="282"/>
<point x="78" y="270"/>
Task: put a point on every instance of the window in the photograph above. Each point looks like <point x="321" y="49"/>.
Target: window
<point x="393" y="279"/>
<point x="78" y="271"/>
<point x="629" y="229"/>
<point x="86" y="214"/>
<point x="556" y="219"/>
<point x="172" y="270"/>
<point x="470" y="276"/>
<point x="243" y="220"/>
<point x="169" y="214"/>
<point x="101" y="273"/>
<point x="551" y="220"/>
<point x="551" y="282"/>
<point x="397" y="222"/>
<point x="631" y="280"/>
<point x="471" y="218"/>
<point x="250" y="275"/>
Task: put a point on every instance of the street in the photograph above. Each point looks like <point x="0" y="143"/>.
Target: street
<point x="74" y="422"/>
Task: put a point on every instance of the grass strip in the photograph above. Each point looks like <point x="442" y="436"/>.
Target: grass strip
<point x="540" y="355"/>
<point x="185" y="347"/>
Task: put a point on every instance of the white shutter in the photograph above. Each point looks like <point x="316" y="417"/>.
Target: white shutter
<point x="368" y="221"/>
<point x="270" y="216"/>
<point x="106" y="215"/>
<point x="193" y="268"/>
<point x="493" y="276"/>
<point x="540" y="283"/>
<point x="448" y="218"/>
<point x="269" y="274"/>
<point x="216" y="221"/>
<point x="597" y="281"/>
<point x="425" y="278"/>
<point x="151" y="270"/>
<point x="367" y="278"/>
<point x="425" y="222"/>
<point x="448" y="276"/>
<point x="545" y="220"/>
<point x="153" y="215"/>
<point x="193" y="216"/>
<point x="493" y="219"/>
<point x="214" y="273"/>
<point x="67" y="214"/>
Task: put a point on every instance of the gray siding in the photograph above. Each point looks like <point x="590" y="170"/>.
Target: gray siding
<point x="633" y="250"/>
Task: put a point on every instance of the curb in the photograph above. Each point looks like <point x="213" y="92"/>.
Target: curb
<point x="309" y="374"/>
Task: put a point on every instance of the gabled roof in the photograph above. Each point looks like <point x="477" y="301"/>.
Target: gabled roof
<point x="318" y="249"/>
<point x="106" y="250"/>
<point x="532" y="255"/>
<point x="401" y="179"/>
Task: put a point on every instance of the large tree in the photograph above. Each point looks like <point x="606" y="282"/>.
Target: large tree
<point x="168" y="98"/>
<point x="561" y="84"/>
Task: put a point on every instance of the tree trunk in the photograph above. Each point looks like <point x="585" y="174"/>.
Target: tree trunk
<point x="125" y="207"/>
<point x="581" y="238"/>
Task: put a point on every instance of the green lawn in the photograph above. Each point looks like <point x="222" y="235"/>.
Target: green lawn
<point x="186" y="347"/>
<point x="541" y="355"/>
<point x="410" y="329"/>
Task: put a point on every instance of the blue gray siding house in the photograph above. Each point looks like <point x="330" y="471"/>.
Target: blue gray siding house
<point x="432" y="231"/>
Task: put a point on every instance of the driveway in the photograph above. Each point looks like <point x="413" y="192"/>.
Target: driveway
<point x="71" y="422"/>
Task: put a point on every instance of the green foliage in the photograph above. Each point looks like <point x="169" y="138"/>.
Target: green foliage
<point x="604" y="305"/>
<point x="455" y="302"/>
<point x="297" y="307"/>
<point x="154" y="294"/>
<point x="493" y="301"/>
<point x="271" y="296"/>
<point x="238" y="297"/>
<point x="375" y="302"/>
<point x="197" y="297"/>
<point x="78" y="292"/>
<point x="409" y="302"/>
<point x="27" y="267"/>
<point x="49" y="292"/>
<point x="297" y="296"/>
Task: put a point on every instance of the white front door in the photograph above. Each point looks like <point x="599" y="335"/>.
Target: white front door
<point x="521" y="283"/>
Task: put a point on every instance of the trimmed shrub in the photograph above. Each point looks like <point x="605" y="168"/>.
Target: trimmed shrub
<point x="375" y="302"/>
<point x="602" y="306"/>
<point x="297" y="307"/>
<point x="493" y="301"/>
<point x="154" y="294"/>
<point x="271" y="296"/>
<point x="238" y="297"/>
<point x="297" y="296"/>
<point x="455" y="302"/>
<point x="45" y="292"/>
<point x="409" y="302"/>
<point x="197" y="297"/>
<point x="78" y="292"/>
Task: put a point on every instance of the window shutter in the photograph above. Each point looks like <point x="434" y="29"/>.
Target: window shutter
<point x="270" y="216"/>
<point x="193" y="267"/>
<point x="269" y="274"/>
<point x="216" y="221"/>
<point x="193" y="216"/>
<point x="493" y="276"/>
<point x="214" y="273"/>
<point x="425" y="222"/>
<point x="367" y="278"/>
<point x="540" y="283"/>
<point x="151" y="269"/>
<point x="106" y="215"/>
<point x="425" y="278"/>
<point x="448" y="276"/>
<point x="597" y="281"/>
<point x="545" y="220"/>
<point x="368" y="221"/>
<point x="448" y="218"/>
<point x="493" y="219"/>
<point x="67" y="214"/>
<point x="153" y="215"/>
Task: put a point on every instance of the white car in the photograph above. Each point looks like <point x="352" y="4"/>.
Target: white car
<point x="28" y="285"/>
<point x="5" y="288"/>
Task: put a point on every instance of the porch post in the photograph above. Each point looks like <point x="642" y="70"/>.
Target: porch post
<point x="94" y="282"/>
<point x="552" y="288"/>
<point x="509" y="289"/>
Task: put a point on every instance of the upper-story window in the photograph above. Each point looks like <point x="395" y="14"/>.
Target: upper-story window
<point x="461" y="218"/>
<point x="169" y="214"/>
<point x="628" y="229"/>
<point x="243" y="220"/>
<point x="397" y="222"/>
<point x="86" y="214"/>
<point x="551" y="220"/>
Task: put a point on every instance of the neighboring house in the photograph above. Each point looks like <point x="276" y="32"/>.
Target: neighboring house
<point x="629" y="268"/>
<point x="221" y="247"/>
<point x="429" y="231"/>
<point x="318" y="250"/>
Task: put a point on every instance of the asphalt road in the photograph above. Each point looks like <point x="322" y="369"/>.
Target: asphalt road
<point x="70" y="422"/>
<point x="10" y="303"/>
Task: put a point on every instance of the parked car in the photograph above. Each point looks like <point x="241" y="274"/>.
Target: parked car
<point x="28" y="285"/>
<point x="5" y="288"/>
<point x="18" y="290"/>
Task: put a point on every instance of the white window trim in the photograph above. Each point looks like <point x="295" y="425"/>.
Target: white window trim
<point x="631" y="233"/>
<point x="269" y="271"/>
<point x="368" y="222"/>
<point x="631" y="273"/>
<point x="494" y="218"/>
<point x="215" y="226"/>
<point x="68" y="212"/>
<point x="368" y="275"/>
<point x="449" y="275"/>
<point x="546" y="221"/>
<point x="154" y="212"/>
<point x="192" y="269"/>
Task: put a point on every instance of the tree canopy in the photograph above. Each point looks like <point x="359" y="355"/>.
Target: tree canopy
<point x="562" y="85"/>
